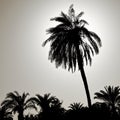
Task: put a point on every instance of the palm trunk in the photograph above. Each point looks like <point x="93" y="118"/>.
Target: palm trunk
<point x="86" y="86"/>
<point x="20" y="115"/>
<point x="80" y="65"/>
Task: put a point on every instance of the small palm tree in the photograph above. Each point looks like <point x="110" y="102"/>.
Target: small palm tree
<point x="5" y="115"/>
<point x="46" y="102"/>
<point x="110" y="96"/>
<point x="15" y="102"/>
<point x="76" y="111"/>
<point x="72" y="43"/>
<point x="75" y="107"/>
<point x="48" y="105"/>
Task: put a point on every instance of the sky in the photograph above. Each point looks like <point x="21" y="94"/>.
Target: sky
<point x="24" y="64"/>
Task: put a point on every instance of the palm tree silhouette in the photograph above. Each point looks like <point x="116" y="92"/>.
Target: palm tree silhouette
<point x="75" y="106"/>
<point x="49" y="105"/>
<point x="100" y="111"/>
<point x="72" y="43"/>
<point x="4" y="114"/>
<point x="77" y="111"/>
<point x="15" y="102"/>
<point x="110" y="96"/>
<point x="43" y="101"/>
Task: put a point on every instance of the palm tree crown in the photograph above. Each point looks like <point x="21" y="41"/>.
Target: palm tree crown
<point x="76" y="106"/>
<point x="71" y="38"/>
<point x="111" y="96"/>
<point x="15" y="102"/>
<point x="50" y="106"/>
<point x="46" y="102"/>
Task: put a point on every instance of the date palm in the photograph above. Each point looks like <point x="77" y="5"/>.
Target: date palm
<point x="15" y="102"/>
<point x="45" y="102"/>
<point x="72" y="44"/>
<point x="5" y="115"/>
<point x="75" y="107"/>
<point x="77" y="111"/>
<point x="110" y="96"/>
<point x="50" y="106"/>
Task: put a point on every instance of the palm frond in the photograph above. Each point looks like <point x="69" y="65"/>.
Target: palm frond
<point x="7" y="103"/>
<point x="64" y="19"/>
<point x="71" y="11"/>
<point x="30" y="105"/>
<point x="111" y="95"/>
<point x="24" y="95"/>
<point x="83" y="22"/>
<point x="97" y="38"/>
<point x="87" y="53"/>
<point x="15" y="109"/>
<point x="17" y="94"/>
<point x="34" y="100"/>
<point x="12" y="96"/>
<point x="79" y="15"/>
<point x="101" y="97"/>
<point x="90" y="39"/>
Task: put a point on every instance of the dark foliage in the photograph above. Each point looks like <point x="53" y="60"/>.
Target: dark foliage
<point x="111" y="97"/>
<point x="50" y="107"/>
<point x="71" y="39"/>
<point x="5" y="115"/>
<point x="15" y="102"/>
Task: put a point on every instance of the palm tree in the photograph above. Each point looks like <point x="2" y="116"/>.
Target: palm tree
<point x="77" y="111"/>
<point x="5" y="115"/>
<point x="42" y="101"/>
<point x="75" y="107"/>
<point x="49" y="105"/>
<point x="72" y="44"/>
<point x="110" y="96"/>
<point x="15" y="102"/>
<point x="100" y="111"/>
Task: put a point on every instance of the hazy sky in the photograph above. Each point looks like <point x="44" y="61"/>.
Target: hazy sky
<point x="24" y="64"/>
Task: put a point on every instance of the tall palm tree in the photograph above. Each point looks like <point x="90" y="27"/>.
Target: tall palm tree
<point x="72" y="44"/>
<point x="110" y="96"/>
<point x="15" y="102"/>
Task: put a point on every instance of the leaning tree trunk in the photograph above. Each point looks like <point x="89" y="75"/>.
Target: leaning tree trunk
<point x="86" y="86"/>
<point x="81" y="68"/>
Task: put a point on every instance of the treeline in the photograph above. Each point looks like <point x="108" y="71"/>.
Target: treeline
<point x="49" y="107"/>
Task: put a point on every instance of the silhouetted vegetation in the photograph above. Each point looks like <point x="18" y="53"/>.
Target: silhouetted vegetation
<point x="111" y="97"/>
<point x="15" y="102"/>
<point x="5" y="114"/>
<point x="49" y="107"/>
<point x="72" y="44"/>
